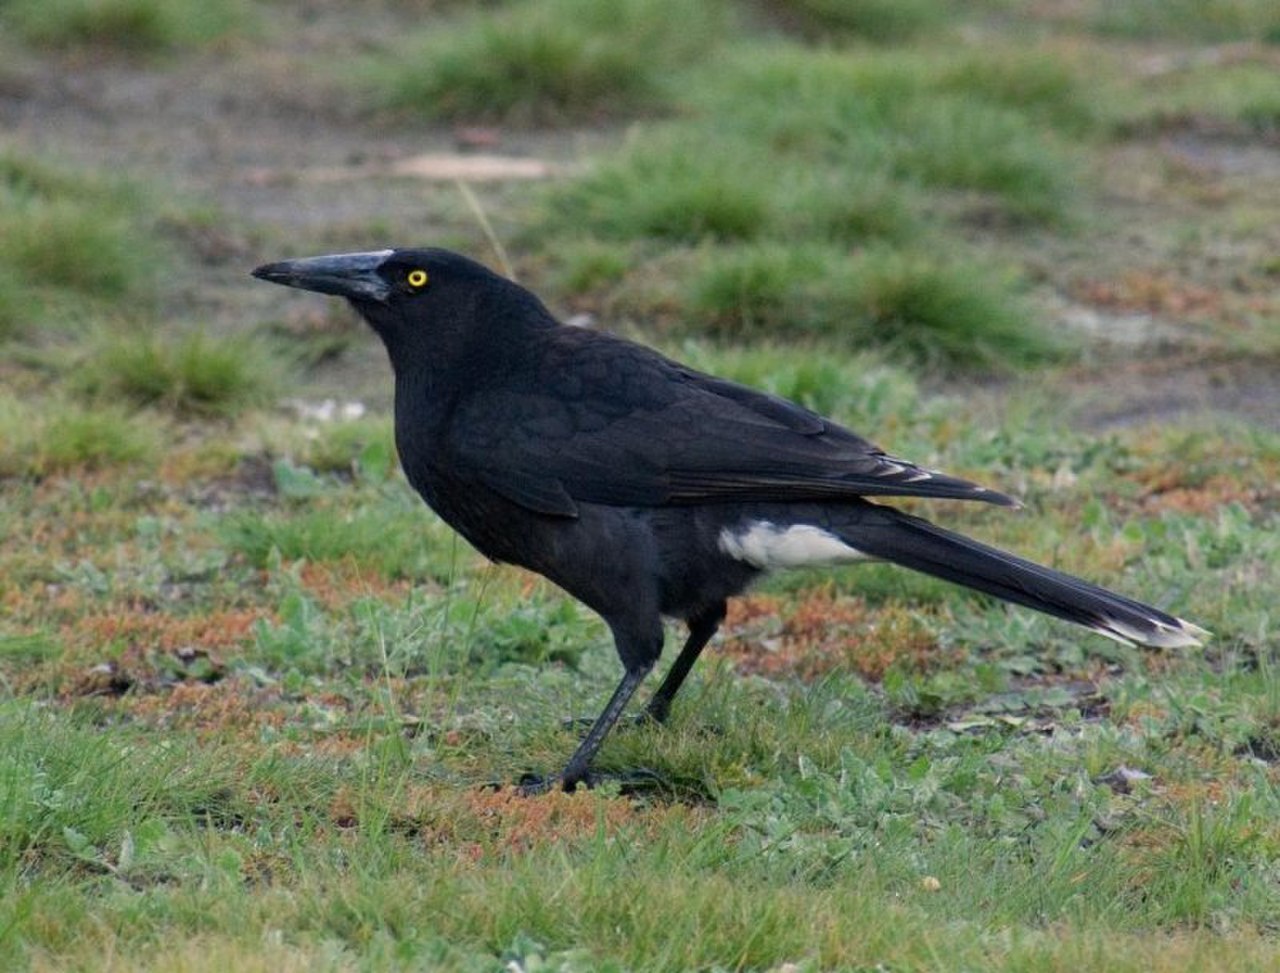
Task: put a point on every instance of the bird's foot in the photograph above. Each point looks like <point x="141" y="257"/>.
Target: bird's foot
<point x="629" y="782"/>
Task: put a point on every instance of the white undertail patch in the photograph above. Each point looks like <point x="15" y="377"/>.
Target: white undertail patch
<point x="766" y="545"/>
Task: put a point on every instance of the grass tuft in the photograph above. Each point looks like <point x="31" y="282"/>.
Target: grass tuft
<point x="750" y="292"/>
<point x="73" y="799"/>
<point x="943" y="312"/>
<point x="587" y="265"/>
<point x="920" y="308"/>
<point x="1244" y="93"/>
<point x="948" y="122"/>
<point x="800" y="197"/>
<point x="130" y="26"/>
<point x="556" y="61"/>
<point x="61" y="437"/>
<point x="674" y="187"/>
<point x="1200" y="20"/>
<point x="194" y="374"/>
<point x="74" y="246"/>
<point x="950" y="144"/>
<point x="677" y="184"/>
<point x="878" y="21"/>
<point x="68" y="246"/>
<point x="859" y="387"/>
<point x="390" y="541"/>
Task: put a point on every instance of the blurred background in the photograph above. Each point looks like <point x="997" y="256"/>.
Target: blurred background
<point x="982" y="187"/>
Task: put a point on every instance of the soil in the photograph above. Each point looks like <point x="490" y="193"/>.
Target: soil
<point x="272" y="141"/>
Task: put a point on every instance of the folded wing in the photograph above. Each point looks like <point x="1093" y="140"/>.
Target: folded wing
<point x="641" y="430"/>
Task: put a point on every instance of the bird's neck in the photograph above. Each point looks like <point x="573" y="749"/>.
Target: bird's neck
<point x="424" y="400"/>
<point x="422" y="411"/>
<point x="437" y="368"/>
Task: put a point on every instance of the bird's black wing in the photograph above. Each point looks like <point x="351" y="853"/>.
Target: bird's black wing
<point x="601" y="420"/>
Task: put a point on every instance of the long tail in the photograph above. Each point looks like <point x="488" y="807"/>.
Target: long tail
<point x="890" y="535"/>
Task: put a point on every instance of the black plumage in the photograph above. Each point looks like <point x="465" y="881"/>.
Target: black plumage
<point x="642" y="487"/>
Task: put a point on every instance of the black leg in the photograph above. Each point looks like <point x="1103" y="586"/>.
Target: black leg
<point x="578" y="769"/>
<point x="579" y="765"/>
<point x="700" y="631"/>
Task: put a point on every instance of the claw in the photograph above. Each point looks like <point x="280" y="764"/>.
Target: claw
<point x="630" y="782"/>
<point x="534" y="785"/>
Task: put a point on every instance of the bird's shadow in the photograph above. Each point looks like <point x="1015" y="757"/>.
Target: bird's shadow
<point x="641" y="784"/>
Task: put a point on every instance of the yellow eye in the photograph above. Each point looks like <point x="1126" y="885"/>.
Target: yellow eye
<point x="417" y="278"/>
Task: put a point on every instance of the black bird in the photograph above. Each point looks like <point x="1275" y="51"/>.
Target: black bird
<point x="645" y="488"/>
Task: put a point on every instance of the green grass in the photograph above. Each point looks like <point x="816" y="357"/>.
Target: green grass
<point x="71" y="245"/>
<point x="683" y="186"/>
<point x="130" y="26"/>
<point x="792" y="202"/>
<point x="52" y="436"/>
<point x="305" y="734"/>
<point x="258" y="706"/>
<point x="949" y="146"/>
<point x="393" y="544"/>
<point x="1202" y="20"/>
<point x="1244" y="93"/>
<point x="916" y="307"/>
<point x="879" y="21"/>
<point x="860" y="387"/>
<point x="678" y="189"/>
<point x="68" y="792"/>
<point x="557" y="61"/>
<point x="192" y="374"/>
<point x="784" y="135"/>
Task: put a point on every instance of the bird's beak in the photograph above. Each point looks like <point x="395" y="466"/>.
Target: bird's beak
<point x="352" y="275"/>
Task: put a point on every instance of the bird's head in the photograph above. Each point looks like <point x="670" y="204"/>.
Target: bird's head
<point x="418" y="300"/>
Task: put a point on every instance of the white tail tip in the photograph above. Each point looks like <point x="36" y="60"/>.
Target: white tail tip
<point x="1161" y="635"/>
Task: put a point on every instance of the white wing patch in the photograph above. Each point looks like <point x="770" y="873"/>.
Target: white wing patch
<point x="765" y="545"/>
